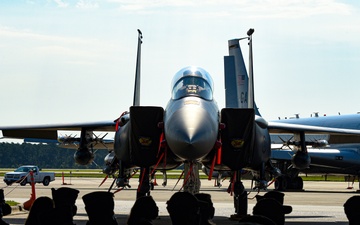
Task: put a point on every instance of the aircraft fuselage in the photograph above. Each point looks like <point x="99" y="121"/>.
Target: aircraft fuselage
<point x="191" y="127"/>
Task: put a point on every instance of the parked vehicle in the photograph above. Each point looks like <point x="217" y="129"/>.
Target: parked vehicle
<point x="21" y="175"/>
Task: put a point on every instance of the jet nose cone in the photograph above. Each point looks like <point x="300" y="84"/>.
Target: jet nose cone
<point x="191" y="134"/>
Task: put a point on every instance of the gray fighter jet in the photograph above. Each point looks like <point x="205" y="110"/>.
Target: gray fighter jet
<point x="191" y="130"/>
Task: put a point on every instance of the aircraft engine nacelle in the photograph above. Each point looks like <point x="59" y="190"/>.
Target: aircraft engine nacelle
<point x="83" y="156"/>
<point x="301" y="160"/>
<point x="262" y="147"/>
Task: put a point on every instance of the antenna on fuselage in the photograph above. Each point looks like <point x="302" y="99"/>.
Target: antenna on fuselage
<point x="251" y="71"/>
<point x="136" y="101"/>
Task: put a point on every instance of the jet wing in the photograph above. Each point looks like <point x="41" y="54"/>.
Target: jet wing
<point x="49" y="131"/>
<point x="105" y="143"/>
<point x="281" y="154"/>
<point x="276" y="127"/>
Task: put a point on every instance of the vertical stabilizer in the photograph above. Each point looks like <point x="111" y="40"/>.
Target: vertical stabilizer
<point x="136" y="101"/>
<point x="236" y="78"/>
<point x="239" y="87"/>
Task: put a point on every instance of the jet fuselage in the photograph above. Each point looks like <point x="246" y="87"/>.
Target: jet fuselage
<point x="191" y="127"/>
<point x="191" y="119"/>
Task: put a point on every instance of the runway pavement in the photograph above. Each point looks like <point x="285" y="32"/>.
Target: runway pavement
<point x="320" y="203"/>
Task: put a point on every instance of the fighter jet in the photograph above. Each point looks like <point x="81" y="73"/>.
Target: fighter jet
<point x="191" y="130"/>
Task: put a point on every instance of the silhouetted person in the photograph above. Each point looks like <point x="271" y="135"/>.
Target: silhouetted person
<point x="271" y="209"/>
<point x="99" y="207"/>
<point x="256" y="219"/>
<point x="65" y="208"/>
<point x="184" y="209"/>
<point x="207" y="209"/>
<point x="143" y="211"/>
<point x="279" y="197"/>
<point x="352" y="209"/>
<point x="5" y="209"/>
<point x="249" y="223"/>
<point x="40" y="208"/>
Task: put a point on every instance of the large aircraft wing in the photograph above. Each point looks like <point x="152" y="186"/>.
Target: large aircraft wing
<point x="276" y="127"/>
<point x="50" y="131"/>
<point x="70" y="142"/>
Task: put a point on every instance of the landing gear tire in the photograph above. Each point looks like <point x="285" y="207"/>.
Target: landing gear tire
<point x="281" y="183"/>
<point x="298" y="183"/>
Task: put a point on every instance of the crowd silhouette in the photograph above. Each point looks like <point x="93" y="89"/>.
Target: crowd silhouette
<point x="184" y="208"/>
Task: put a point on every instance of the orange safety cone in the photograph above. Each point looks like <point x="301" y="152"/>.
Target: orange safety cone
<point x="63" y="179"/>
<point x="155" y="184"/>
<point x="27" y="205"/>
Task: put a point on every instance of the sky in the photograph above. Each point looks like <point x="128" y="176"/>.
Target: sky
<point x="74" y="61"/>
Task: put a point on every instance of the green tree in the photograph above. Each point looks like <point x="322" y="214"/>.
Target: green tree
<point x="13" y="155"/>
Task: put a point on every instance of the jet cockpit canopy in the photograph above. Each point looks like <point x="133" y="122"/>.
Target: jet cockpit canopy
<point x="192" y="81"/>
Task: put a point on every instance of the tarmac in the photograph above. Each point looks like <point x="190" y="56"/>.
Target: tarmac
<point x="321" y="202"/>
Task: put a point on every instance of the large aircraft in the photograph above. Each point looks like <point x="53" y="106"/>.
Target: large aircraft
<point x="329" y="153"/>
<point x="190" y="130"/>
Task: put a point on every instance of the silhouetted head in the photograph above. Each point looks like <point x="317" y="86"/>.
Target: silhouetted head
<point x="65" y="197"/>
<point x="183" y="208"/>
<point x="249" y="223"/>
<point x="5" y="209"/>
<point x="352" y="209"/>
<point x="40" y="207"/>
<point x="145" y="207"/>
<point x="256" y="219"/>
<point x="99" y="206"/>
<point x="207" y="209"/>
<point x="271" y="209"/>
<point x="279" y="197"/>
<point x="2" y="197"/>
<point x="101" y="200"/>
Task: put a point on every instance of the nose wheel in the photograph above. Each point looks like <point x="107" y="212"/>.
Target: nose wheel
<point x="192" y="178"/>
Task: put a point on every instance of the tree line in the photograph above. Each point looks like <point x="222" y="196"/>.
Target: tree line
<point x="13" y="155"/>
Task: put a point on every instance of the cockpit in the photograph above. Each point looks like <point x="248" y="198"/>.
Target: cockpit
<point x="192" y="81"/>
